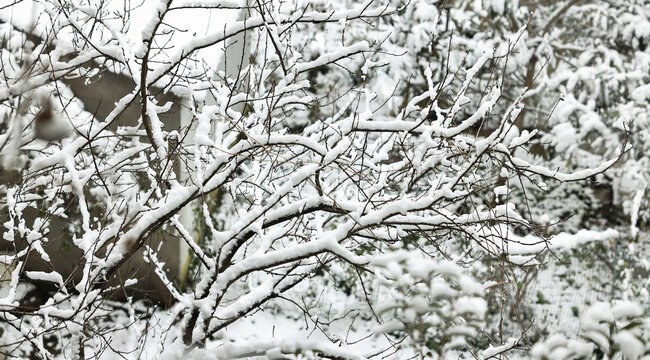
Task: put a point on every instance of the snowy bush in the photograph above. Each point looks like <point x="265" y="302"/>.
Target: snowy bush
<point x="610" y="331"/>
<point x="436" y="304"/>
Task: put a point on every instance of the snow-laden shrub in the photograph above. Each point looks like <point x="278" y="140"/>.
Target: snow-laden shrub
<point x="436" y="303"/>
<point x="609" y="331"/>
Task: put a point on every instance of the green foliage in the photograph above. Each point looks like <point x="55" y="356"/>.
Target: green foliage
<point x="541" y="299"/>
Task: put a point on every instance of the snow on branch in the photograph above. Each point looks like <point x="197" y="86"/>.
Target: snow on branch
<point x="338" y="154"/>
